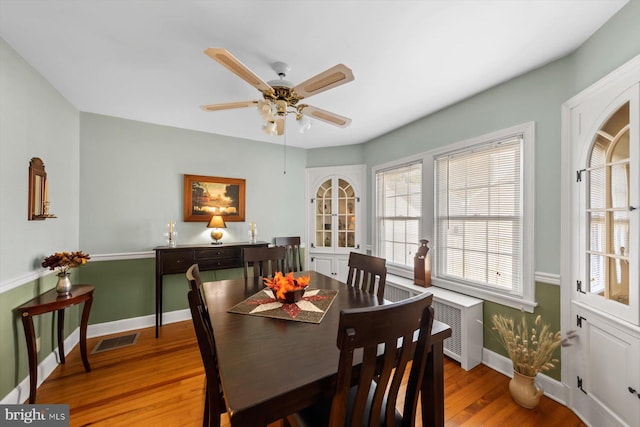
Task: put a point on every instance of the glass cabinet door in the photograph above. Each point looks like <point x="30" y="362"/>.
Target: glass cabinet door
<point x="324" y="226"/>
<point x="608" y="209"/>
<point x="335" y="215"/>
<point x="346" y="215"/>
<point x="606" y="202"/>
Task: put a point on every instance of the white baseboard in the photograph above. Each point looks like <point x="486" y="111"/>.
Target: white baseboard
<point x="125" y="325"/>
<point x="20" y="394"/>
<point x="553" y="389"/>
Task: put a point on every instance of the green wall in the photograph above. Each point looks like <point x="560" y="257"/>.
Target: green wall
<point x="548" y="297"/>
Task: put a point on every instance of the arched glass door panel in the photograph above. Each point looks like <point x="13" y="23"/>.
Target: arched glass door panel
<point x="608" y="209"/>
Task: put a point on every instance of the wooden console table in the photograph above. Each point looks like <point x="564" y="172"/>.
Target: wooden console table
<point x="45" y="303"/>
<point x="208" y="257"/>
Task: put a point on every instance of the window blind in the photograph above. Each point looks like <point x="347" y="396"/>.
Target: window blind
<point x="398" y="212"/>
<point x="479" y="216"/>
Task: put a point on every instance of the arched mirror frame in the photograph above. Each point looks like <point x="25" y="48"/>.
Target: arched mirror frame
<point x="38" y="191"/>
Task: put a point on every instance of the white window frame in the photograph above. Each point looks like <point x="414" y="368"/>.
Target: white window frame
<point x="403" y="271"/>
<point x="526" y="301"/>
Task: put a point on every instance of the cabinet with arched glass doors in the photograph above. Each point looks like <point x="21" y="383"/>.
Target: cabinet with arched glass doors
<point x="334" y="225"/>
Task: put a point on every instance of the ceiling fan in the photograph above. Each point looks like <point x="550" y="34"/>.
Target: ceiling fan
<point x="281" y="97"/>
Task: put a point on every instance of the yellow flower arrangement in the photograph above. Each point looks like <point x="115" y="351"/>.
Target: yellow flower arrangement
<point x="63" y="261"/>
<point x="529" y="354"/>
<point x="282" y="284"/>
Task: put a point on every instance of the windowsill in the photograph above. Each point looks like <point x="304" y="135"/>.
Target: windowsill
<point x="517" y="303"/>
<point x="438" y="292"/>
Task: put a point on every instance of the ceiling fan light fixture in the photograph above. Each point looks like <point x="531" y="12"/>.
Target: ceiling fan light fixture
<point x="267" y="110"/>
<point x="270" y="128"/>
<point x="304" y="123"/>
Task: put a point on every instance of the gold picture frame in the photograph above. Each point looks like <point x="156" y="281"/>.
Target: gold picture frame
<point x="205" y="196"/>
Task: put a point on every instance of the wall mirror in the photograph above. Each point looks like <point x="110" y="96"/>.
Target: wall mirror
<point x="38" y="194"/>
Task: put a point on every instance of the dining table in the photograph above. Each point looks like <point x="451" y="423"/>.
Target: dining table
<point x="272" y="367"/>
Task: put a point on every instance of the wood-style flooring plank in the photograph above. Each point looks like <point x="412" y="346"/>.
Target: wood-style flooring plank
<point x="162" y="382"/>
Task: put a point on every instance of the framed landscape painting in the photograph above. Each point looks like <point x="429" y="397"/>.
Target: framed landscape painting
<point x="205" y="196"/>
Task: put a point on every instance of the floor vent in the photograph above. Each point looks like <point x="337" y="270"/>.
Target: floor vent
<point x="117" y="342"/>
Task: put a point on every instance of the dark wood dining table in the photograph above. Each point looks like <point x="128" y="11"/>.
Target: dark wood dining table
<point x="270" y="368"/>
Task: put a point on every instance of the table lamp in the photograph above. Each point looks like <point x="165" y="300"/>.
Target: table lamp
<point x="216" y="222"/>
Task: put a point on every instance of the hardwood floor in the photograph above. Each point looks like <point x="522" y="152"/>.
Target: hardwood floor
<point x="161" y="382"/>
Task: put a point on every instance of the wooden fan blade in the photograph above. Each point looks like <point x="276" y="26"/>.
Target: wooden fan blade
<point x="334" y="76"/>
<point x="231" y="63"/>
<point x="325" y="116"/>
<point x="228" y="105"/>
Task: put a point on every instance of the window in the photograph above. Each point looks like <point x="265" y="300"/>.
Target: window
<point x="483" y="218"/>
<point x="398" y="213"/>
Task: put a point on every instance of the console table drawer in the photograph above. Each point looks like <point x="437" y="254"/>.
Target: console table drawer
<point x="176" y="261"/>
<point x="216" y="253"/>
<point x="214" y="264"/>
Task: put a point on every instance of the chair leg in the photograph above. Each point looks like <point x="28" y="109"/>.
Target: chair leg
<point x="205" y="419"/>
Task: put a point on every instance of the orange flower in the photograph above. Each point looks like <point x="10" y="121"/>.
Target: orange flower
<point x="282" y="284"/>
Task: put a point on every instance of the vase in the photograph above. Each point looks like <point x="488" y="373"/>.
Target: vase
<point x="524" y="391"/>
<point x="63" y="287"/>
<point x="290" y="297"/>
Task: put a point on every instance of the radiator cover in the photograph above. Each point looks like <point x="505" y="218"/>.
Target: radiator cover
<point x="461" y="312"/>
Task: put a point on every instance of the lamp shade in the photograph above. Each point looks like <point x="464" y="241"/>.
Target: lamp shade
<point x="216" y="221"/>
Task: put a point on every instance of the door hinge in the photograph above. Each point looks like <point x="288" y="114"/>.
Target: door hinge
<point x="313" y="259"/>
<point x="313" y="245"/>
<point x="580" y="385"/>
<point x="358" y="199"/>
<point x="579" y="320"/>
<point x="579" y="175"/>
<point x="313" y="200"/>
<point x="579" y="286"/>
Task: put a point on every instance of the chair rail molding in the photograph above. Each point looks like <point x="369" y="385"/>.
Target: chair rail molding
<point x="18" y="281"/>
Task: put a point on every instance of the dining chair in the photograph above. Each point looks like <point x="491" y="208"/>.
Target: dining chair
<point x="368" y="273"/>
<point x="265" y="261"/>
<point x="293" y="261"/>
<point x="387" y="348"/>
<point x="214" y="404"/>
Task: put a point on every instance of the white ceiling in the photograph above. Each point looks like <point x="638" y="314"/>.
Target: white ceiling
<point x="144" y="60"/>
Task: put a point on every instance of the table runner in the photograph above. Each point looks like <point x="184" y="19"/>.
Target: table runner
<point x="311" y="308"/>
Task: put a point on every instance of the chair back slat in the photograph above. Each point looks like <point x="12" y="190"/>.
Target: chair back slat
<point x="293" y="260"/>
<point x="265" y="261"/>
<point x="368" y="273"/>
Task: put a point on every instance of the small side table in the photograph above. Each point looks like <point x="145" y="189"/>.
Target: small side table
<point x="48" y="302"/>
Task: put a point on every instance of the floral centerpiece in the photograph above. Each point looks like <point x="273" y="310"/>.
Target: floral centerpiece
<point x="530" y="351"/>
<point x="63" y="261"/>
<point x="287" y="287"/>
